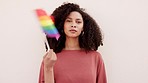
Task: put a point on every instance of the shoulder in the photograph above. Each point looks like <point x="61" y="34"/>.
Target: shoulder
<point x="97" y="55"/>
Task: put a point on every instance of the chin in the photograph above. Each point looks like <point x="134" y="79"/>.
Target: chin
<point x="73" y="36"/>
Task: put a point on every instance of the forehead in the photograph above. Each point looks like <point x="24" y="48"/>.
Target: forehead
<point x="74" y="15"/>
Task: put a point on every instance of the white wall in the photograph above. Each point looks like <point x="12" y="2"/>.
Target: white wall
<point x="124" y="24"/>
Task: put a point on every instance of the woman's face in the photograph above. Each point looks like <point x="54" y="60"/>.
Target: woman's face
<point x="73" y="25"/>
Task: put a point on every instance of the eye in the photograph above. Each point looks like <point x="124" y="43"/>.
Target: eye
<point x="68" y="20"/>
<point x="78" y="22"/>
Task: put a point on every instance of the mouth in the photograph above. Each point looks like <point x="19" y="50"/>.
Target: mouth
<point x="72" y="30"/>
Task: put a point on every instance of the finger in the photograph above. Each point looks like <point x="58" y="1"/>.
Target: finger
<point x="49" y="55"/>
<point x="54" y="57"/>
<point x="45" y="55"/>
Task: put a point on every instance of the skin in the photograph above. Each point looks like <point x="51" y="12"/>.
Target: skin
<point x="73" y="26"/>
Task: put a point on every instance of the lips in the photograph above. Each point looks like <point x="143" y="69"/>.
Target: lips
<point x="72" y="30"/>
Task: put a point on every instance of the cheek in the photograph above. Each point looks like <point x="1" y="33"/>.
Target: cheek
<point x="80" y="30"/>
<point x="65" y="27"/>
<point x="81" y="27"/>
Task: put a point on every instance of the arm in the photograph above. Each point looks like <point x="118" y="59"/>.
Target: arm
<point x="101" y="73"/>
<point x="49" y="75"/>
<point x="41" y="75"/>
<point x="46" y="71"/>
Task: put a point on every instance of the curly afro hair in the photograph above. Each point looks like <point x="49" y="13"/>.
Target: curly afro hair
<point x="90" y="39"/>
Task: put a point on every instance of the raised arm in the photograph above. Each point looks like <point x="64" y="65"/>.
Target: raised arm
<point x="46" y="71"/>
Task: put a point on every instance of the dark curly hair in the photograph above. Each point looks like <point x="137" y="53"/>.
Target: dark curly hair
<point x="90" y="39"/>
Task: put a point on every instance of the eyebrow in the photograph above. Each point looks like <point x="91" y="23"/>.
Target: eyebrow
<point x="71" y="18"/>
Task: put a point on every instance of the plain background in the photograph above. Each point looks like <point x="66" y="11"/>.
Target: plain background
<point x="124" y="24"/>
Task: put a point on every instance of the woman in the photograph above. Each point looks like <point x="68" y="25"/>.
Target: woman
<point x="73" y="58"/>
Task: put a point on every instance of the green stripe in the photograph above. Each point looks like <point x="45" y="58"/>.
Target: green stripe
<point x="51" y="27"/>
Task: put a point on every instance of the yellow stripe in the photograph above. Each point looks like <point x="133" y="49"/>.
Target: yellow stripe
<point x="46" y="22"/>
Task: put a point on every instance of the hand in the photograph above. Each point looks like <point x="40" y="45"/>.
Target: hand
<point x="49" y="59"/>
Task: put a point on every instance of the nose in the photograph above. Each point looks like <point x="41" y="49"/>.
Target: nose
<point x="74" y="26"/>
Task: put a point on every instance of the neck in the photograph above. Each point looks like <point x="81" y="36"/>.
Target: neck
<point x="72" y="44"/>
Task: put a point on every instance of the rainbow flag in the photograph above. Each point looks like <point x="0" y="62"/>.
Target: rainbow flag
<point x="47" y="24"/>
